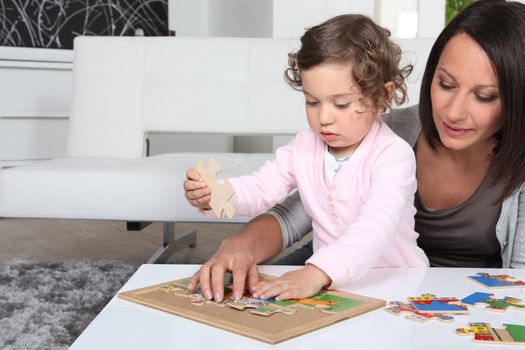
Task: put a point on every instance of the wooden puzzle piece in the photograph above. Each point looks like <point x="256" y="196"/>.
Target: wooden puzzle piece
<point x="263" y="307"/>
<point x="511" y="334"/>
<point x="496" y="281"/>
<point x="220" y="192"/>
<point x="431" y="304"/>
<point x="327" y="302"/>
<point x="490" y="302"/>
<point x="398" y="308"/>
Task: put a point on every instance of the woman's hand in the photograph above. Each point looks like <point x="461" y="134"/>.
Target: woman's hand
<point x="297" y="284"/>
<point x="231" y="256"/>
<point x="196" y="191"/>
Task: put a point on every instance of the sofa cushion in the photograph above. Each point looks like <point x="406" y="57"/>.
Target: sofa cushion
<point x="144" y="189"/>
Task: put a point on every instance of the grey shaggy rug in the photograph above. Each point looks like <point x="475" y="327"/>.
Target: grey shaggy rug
<point x="47" y="305"/>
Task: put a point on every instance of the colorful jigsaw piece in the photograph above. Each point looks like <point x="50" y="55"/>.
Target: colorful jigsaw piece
<point x="512" y="334"/>
<point x="490" y="302"/>
<point x="496" y="281"/>
<point x="397" y="308"/>
<point x="429" y="303"/>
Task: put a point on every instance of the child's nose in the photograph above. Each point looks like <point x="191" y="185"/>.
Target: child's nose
<point x="325" y="117"/>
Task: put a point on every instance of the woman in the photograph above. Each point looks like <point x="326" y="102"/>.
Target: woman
<point x="469" y="150"/>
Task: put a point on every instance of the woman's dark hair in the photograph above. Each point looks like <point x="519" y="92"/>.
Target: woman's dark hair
<point x="498" y="27"/>
<point x="354" y="39"/>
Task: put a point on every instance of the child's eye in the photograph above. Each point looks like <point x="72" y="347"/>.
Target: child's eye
<point x="311" y="103"/>
<point x="444" y="85"/>
<point x="341" y="105"/>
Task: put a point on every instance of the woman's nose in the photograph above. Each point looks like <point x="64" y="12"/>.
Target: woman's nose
<point x="458" y="108"/>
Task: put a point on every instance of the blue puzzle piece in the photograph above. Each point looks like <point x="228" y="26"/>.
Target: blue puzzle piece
<point x="491" y="282"/>
<point x="477" y="297"/>
<point x="437" y="306"/>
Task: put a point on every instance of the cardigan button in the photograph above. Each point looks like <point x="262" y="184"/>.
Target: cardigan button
<point x="329" y="198"/>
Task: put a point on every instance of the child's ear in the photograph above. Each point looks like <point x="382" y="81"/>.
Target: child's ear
<point x="391" y="88"/>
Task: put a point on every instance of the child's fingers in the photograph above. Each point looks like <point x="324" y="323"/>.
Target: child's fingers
<point x="268" y="289"/>
<point x="289" y="294"/>
<point x="193" y="195"/>
<point x="192" y="174"/>
<point x="191" y="185"/>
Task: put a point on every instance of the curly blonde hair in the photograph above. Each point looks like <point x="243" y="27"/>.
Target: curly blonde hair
<point x="354" y="39"/>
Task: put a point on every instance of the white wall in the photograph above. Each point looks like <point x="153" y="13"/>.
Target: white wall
<point x="292" y="17"/>
<point x="240" y="18"/>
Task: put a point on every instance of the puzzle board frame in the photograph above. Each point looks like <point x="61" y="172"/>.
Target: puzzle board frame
<point x="272" y="329"/>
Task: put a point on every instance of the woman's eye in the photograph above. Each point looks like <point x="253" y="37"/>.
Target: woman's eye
<point x="310" y="103"/>
<point x="486" y="98"/>
<point x="444" y="85"/>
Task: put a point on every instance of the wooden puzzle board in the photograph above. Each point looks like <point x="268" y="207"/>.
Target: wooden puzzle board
<point x="271" y="329"/>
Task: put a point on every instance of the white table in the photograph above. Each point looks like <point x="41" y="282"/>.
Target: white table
<point x="126" y="325"/>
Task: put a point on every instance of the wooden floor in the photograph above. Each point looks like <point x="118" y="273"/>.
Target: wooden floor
<point x="57" y="240"/>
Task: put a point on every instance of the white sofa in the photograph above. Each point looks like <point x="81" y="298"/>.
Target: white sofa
<point x="127" y="87"/>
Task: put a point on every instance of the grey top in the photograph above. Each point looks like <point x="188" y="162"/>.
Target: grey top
<point x="447" y="234"/>
<point x="510" y="226"/>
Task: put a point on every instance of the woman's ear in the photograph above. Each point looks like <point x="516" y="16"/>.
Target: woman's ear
<point x="391" y="88"/>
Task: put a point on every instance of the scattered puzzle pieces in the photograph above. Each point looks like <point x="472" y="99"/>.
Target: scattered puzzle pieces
<point x="220" y="192"/>
<point x="432" y="304"/>
<point x="325" y="301"/>
<point x="427" y="307"/>
<point x="496" y="281"/>
<point x="490" y="302"/>
<point x="397" y="308"/>
<point x="512" y="334"/>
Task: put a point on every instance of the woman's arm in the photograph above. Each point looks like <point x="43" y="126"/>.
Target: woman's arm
<point x="294" y="222"/>
<point x="518" y="255"/>
<point x="258" y="241"/>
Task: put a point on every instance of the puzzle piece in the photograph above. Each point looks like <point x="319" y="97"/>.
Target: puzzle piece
<point x="496" y="281"/>
<point x="511" y="334"/>
<point x="490" y="302"/>
<point x="429" y="303"/>
<point x="220" y="192"/>
<point x="428" y="307"/>
<point x="397" y="308"/>
<point x="263" y="307"/>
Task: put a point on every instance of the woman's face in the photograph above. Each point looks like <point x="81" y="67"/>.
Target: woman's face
<point x="465" y="96"/>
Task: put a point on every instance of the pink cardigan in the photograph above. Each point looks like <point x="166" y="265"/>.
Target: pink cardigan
<point x="364" y="219"/>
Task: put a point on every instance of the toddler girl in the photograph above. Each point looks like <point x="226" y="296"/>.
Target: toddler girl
<point x="355" y="177"/>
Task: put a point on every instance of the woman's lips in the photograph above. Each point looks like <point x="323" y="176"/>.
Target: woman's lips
<point x="454" y="131"/>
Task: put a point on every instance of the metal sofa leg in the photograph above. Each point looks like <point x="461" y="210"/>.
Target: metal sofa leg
<point x="171" y="245"/>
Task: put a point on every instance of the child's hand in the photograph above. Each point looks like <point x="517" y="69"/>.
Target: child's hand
<point x="196" y="190"/>
<point x="297" y="284"/>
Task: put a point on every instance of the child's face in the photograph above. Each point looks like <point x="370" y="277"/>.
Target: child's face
<point x="333" y="107"/>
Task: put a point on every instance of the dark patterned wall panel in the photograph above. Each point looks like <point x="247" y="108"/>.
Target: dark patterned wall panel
<point x="55" y="23"/>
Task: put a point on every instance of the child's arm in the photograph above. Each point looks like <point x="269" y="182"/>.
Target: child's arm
<point x="274" y="180"/>
<point x="297" y="284"/>
<point x="196" y="190"/>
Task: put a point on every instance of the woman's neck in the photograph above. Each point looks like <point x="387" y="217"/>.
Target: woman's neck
<point x="469" y="158"/>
